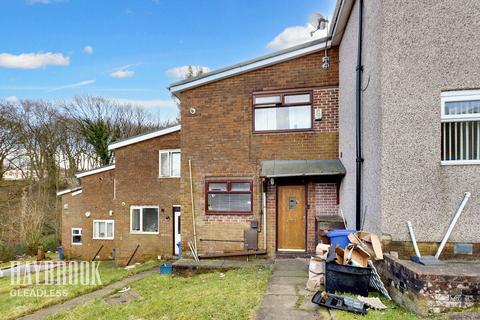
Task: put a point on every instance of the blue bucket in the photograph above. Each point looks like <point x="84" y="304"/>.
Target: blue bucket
<point x="339" y="237"/>
<point x="166" y="268"/>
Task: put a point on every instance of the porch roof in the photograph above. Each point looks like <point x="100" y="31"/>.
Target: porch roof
<point x="295" y="168"/>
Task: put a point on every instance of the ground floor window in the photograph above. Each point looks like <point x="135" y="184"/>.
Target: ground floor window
<point x="461" y="127"/>
<point x="77" y="236"/>
<point x="103" y="229"/>
<point x="228" y="196"/>
<point x="144" y="219"/>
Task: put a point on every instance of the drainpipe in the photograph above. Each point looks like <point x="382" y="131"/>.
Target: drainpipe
<point x="358" y="111"/>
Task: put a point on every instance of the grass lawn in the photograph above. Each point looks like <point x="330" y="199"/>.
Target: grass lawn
<point x="12" y="306"/>
<point x="234" y="294"/>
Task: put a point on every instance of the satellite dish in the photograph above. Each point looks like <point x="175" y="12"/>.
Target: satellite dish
<point x="317" y="21"/>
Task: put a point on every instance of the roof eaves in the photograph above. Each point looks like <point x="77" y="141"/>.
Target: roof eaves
<point x="340" y="18"/>
<point x="67" y="191"/>
<point x="143" y="137"/>
<point x="260" y="62"/>
<point x="94" y="171"/>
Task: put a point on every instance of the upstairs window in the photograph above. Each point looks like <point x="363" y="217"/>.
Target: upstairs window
<point x="76" y="236"/>
<point x="169" y="163"/>
<point x="461" y="127"/>
<point x="229" y="196"/>
<point x="282" y="111"/>
<point x="144" y="219"/>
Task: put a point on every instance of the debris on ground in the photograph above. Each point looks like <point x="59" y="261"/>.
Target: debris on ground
<point x="347" y="263"/>
<point x="124" y="289"/>
<point x="332" y="301"/>
<point x="123" y="297"/>
<point x="373" y="303"/>
<point x="316" y="269"/>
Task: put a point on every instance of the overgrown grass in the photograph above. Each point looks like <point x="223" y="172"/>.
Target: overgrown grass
<point x="393" y="311"/>
<point x="234" y="294"/>
<point x="13" y="306"/>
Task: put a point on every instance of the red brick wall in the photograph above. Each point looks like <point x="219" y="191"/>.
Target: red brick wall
<point x="96" y="198"/>
<point x="218" y="138"/>
<point x="138" y="183"/>
<point x="71" y="218"/>
<point x="326" y="199"/>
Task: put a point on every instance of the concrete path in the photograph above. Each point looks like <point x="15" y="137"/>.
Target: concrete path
<point x="286" y="297"/>
<point x="67" y="305"/>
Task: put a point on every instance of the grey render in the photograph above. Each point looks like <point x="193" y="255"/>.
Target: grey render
<point x="413" y="50"/>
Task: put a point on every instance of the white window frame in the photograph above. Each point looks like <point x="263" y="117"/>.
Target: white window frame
<point x="460" y="95"/>
<point x="141" y="219"/>
<point x="170" y="159"/>
<point x="80" y="234"/>
<point x="106" y="221"/>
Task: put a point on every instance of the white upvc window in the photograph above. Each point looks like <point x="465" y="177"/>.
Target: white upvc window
<point x="77" y="236"/>
<point x="103" y="229"/>
<point x="169" y="163"/>
<point x="144" y="219"/>
<point x="460" y="127"/>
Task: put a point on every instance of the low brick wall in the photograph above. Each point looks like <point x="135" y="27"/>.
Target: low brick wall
<point x="405" y="250"/>
<point x="432" y="289"/>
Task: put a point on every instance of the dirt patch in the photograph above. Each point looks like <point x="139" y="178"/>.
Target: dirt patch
<point x="124" y="297"/>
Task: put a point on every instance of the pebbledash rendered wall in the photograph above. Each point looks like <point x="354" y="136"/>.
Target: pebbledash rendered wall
<point x="413" y="50"/>
<point x="219" y="141"/>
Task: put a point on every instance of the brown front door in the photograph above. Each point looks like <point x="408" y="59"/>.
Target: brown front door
<point x="291" y="218"/>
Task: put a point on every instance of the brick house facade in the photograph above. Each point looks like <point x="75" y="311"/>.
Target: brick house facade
<point x="133" y="181"/>
<point x="227" y="153"/>
<point x="219" y="140"/>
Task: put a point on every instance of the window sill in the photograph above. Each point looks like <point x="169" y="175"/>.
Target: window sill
<point x="141" y="232"/>
<point x="308" y="130"/>
<point x="460" y="162"/>
<point x="77" y="244"/>
<point x="103" y="238"/>
<point x="169" y="177"/>
<point x="227" y="213"/>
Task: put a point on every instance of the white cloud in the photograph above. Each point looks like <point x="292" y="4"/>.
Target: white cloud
<point x="292" y="36"/>
<point x="32" y="2"/>
<point x="73" y="85"/>
<point x="12" y="99"/>
<point x="119" y="74"/>
<point x="32" y="60"/>
<point x="88" y="49"/>
<point x="153" y="103"/>
<point x="182" y="72"/>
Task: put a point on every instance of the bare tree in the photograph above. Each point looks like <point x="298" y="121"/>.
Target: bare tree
<point x="102" y="121"/>
<point x="9" y="126"/>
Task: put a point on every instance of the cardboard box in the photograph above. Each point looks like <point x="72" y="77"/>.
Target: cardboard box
<point x="356" y="256"/>
<point x="368" y="242"/>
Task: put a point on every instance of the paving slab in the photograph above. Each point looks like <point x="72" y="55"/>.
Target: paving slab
<point x="285" y="296"/>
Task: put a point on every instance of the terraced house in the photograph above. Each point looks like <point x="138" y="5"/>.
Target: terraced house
<point x="256" y="160"/>
<point x="372" y="120"/>
<point x="132" y="206"/>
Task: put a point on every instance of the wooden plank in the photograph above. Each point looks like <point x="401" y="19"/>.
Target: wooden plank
<point x="232" y="254"/>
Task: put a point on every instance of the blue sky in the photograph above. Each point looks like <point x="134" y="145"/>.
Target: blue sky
<point x="131" y="50"/>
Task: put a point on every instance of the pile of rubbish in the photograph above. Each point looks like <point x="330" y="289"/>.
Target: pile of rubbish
<point x="343" y="262"/>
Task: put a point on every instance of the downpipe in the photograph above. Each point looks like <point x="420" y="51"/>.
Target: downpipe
<point x="358" y="111"/>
